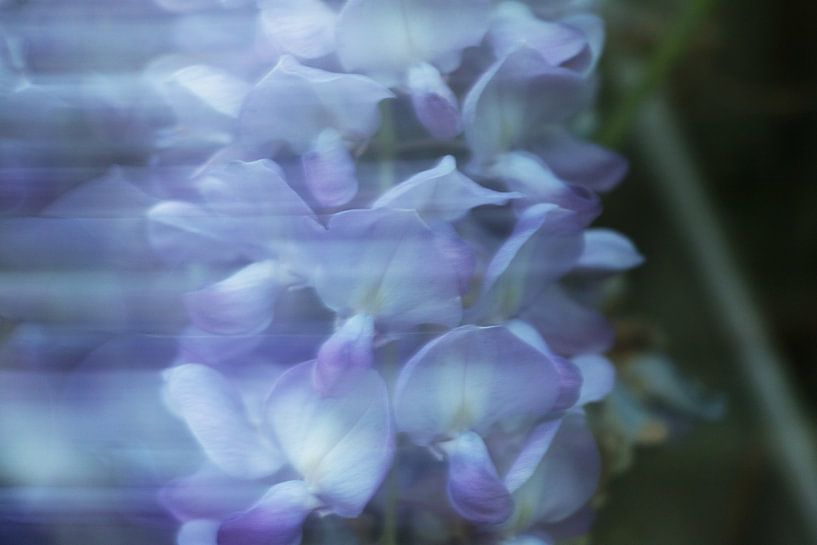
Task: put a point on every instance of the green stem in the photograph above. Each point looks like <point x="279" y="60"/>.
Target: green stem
<point x="387" y="149"/>
<point x="658" y="68"/>
<point x="386" y="146"/>
<point x="389" y="536"/>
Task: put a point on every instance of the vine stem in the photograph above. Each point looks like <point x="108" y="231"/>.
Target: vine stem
<point x="389" y="536"/>
<point x="682" y="186"/>
<point x="387" y="148"/>
<point x="658" y="68"/>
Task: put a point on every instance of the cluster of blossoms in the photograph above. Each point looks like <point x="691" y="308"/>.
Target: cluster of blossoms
<point x="364" y="326"/>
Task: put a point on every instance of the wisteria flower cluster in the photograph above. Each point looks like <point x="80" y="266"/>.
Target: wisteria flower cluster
<point x="366" y="225"/>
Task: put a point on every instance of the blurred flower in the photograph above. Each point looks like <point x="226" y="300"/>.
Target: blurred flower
<point x="352" y="319"/>
<point x="339" y="445"/>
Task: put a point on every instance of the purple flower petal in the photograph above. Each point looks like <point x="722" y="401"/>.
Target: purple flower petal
<point x="435" y="105"/>
<point x="570" y="378"/>
<point x="568" y="326"/>
<point x="458" y="253"/>
<point x="240" y="304"/>
<point x="515" y="26"/>
<point x="528" y="175"/>
<point x="304" y="28"/>
<point x="555" y="9"/>
<point x="564" y="481"/>
<point x="350" y="348"/>
<point x="583" y="163"/>
<point x="255" y="211"/>
<point x="238" y="208"/>
<point x="474" y="488"/>
<point x="189" y="5"/>
<point x="520" y="91"/>
<point x="329" y="170"/>
<point x="386" y="263"/>
<point x="408" y="33"/>
<point x="209" y="494"/>
<point x="251" y="189"/>
<point x="203" y="98"/>
<point x="592" y="26"/>
<point x="471" y="378"/>
<point x="544" y="246"/>
<point x="607" y="252"/>
<point x="276" y="519"/>
<point x="294" y="104"/>
<point x="598" y="377"/>
<point x="536" y="445"/>
<point x="223" y="38"/>
<point x="528" y="539"/>
<point x="216" y="416"/>
<point x="340" y="442"/>
<point x="181" y="232"/>
<point x="441" y="193"/>
<point x="198" y="532"/>
<point x="570" y="382"/>
<point x="214" y="349"/>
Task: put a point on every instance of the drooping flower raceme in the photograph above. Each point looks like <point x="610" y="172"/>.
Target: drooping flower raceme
<point x="368" y="226"/>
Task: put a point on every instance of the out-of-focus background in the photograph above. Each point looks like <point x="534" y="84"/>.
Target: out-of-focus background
<point x="740" y="81"/>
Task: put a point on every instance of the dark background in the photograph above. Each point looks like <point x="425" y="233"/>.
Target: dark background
<point x="744" y="92"/>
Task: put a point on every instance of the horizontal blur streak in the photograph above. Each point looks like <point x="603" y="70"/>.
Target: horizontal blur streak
<point x="76" y="504"/>
<point x="90" y="428"/>
<point x="85" y="34"/>
<point x="113" y="300"/>
<point x="85" y="451"/>
<point x="93" y="36"/>
<point x="144" y="226"/>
